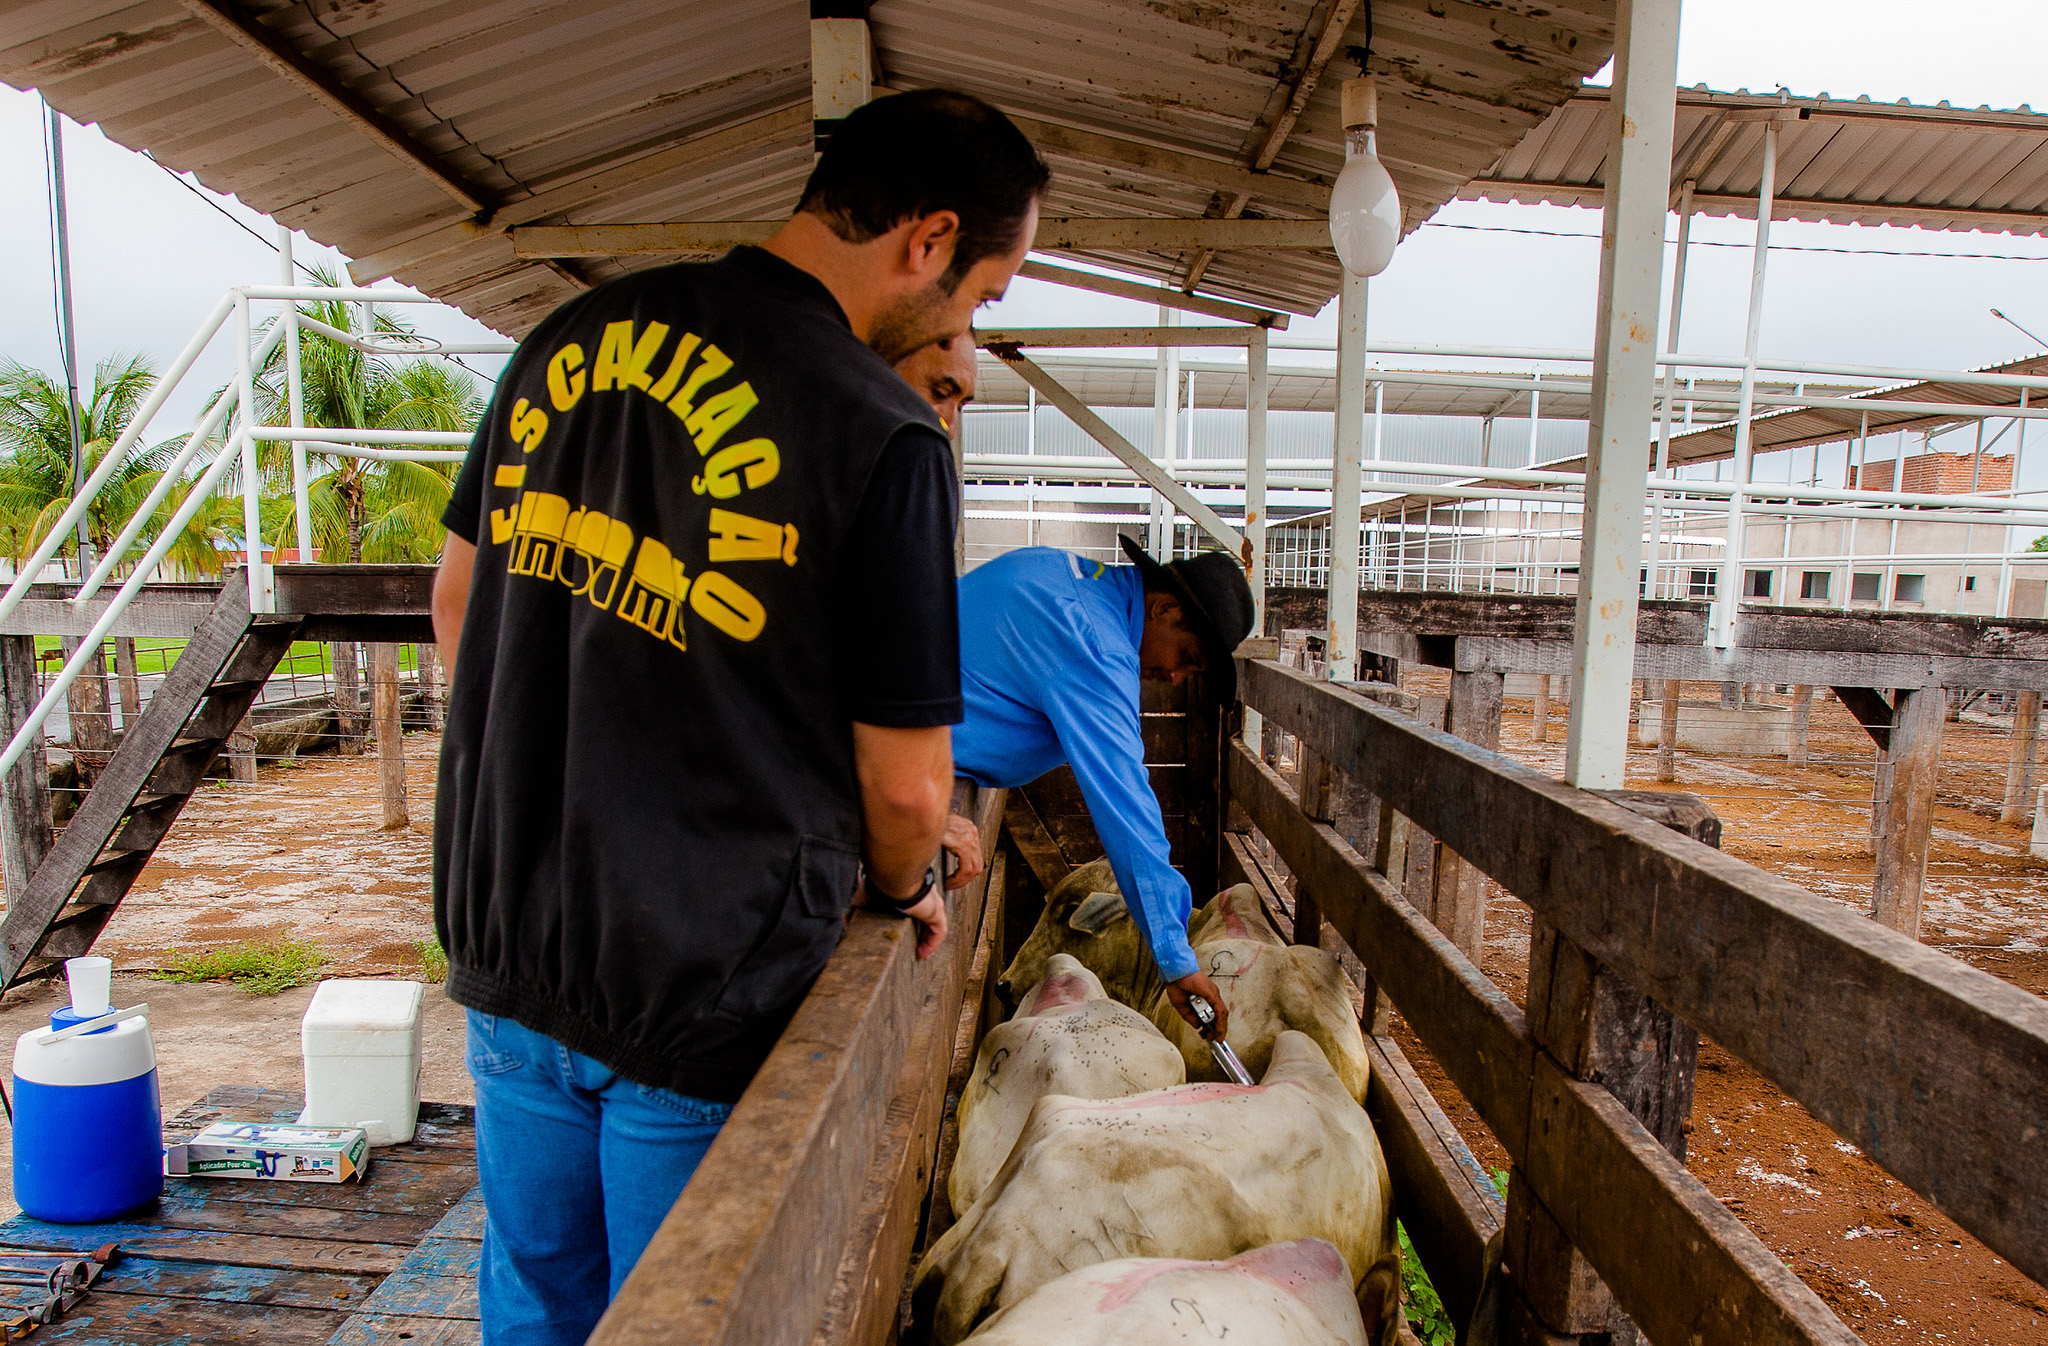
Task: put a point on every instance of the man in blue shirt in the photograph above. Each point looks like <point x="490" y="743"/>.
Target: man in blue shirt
<point x="1052" y="648"/>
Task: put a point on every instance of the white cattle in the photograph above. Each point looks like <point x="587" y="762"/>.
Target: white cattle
<point x="1270" y="986"/>
<point x="1285" y="1294"/>
<point x="1068" y="1037"/>
<point x="1085" y="918"/>
<point x="1202" y="1171"/>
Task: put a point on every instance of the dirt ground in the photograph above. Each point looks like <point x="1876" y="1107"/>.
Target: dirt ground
<point x="1895" y="1269"/>
<point x="298" y="853"/>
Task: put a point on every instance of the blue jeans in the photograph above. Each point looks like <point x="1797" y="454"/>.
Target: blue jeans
<point x="578" y="1168"/>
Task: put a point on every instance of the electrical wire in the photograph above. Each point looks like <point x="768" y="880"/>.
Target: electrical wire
<point x="1745" y="247"/>
<point x="229" y="216"/>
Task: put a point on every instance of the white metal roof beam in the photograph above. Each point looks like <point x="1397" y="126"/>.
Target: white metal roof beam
<point x="1092" y="234"/>
<point x="842" y="67"/>
<point x="290" y="65"/>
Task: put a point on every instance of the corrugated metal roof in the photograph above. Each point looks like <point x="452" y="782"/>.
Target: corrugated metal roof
<point x="590" y="111"/>
<point x="1799" y="427"/>
<point x="1839" y="160"/>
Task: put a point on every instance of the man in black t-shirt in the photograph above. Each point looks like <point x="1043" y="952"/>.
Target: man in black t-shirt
<point x="699" y="609"/>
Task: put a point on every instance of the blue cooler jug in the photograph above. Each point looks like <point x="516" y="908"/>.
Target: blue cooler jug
<point x="88" y="1129"/>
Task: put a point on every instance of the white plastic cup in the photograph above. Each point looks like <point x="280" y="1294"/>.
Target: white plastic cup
<point x="92" y="984"/>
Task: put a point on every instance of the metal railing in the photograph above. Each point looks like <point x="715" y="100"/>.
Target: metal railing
<point x="236" y="408"/>
<point x="1482" y="526"/>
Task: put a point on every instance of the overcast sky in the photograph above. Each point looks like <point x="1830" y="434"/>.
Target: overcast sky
<point x="151" y="253"/>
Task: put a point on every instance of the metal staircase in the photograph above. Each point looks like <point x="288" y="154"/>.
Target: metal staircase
<point x="162" y="759"/>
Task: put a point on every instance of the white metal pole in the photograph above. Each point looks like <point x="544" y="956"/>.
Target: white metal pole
<point x="1670" y="373"/>
<point x="1347" y="476"/>
<point x="1166" y="395"/>
<point x="295" y="394"/>
<point x="1379" y="407"/>
<point x="260" y="595"/>
<point x="2019" y="460"/>
<point x="1030" y="451"/>
<point x="1641" y="113"/>
<point x="1729" y="592"/>
<point x="1255" y="398"/>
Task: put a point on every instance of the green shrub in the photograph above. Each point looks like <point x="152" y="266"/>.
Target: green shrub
<point x="1426" y="1316"/>
<point x="260" y="968"/>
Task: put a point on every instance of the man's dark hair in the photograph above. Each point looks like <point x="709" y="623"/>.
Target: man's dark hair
<point x="907" y="155"/>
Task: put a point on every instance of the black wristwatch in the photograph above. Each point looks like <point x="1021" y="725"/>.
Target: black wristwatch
<point x="882" y="904"/>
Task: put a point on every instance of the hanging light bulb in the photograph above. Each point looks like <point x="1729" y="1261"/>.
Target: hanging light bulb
<point x="1365" y="210"/>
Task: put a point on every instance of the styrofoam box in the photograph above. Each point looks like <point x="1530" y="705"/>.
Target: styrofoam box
<point x="361" y="1041"/>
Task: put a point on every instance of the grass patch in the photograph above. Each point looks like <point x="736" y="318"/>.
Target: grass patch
<point x="258" y="968"/>
<point x="433" y="959"/>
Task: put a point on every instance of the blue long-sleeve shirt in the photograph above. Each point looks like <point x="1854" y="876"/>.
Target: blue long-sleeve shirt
<point x="1049" y="674"/>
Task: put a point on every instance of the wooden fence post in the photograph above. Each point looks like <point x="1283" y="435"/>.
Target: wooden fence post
<point x="1315" y="799"/>
<point x="1905" y="823"/>
<point x="1802" y="716"/>
<point x="1419" y="850"/>
<point x="2019" y="771"/>
<point x="1461" y="904"/>
<point x="130" y="681"/>
<point x="1202" y="840"/>
<point x="390" y="734"/>
<point x="92" y="723"/>
<point x="1667" y="732"/>
<point x="25" y="818"/>
<point x="348" y="698"/>
<point x="432" y="694"/>
<point x="1599" y="1029"/>
<point x="241" y="749"/>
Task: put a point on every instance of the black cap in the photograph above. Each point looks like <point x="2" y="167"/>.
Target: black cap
<point x="1213" y="592"/>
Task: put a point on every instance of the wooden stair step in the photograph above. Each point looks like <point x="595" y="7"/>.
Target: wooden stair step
<point x="113" y="860"/>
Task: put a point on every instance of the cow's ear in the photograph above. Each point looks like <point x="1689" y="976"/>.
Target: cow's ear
<point x="1098" y="913"/>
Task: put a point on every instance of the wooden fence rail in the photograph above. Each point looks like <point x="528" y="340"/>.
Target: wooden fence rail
<point x="1937" y="1070"/>
<point x="801" y="1218"/>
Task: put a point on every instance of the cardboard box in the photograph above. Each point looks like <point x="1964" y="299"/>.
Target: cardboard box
<point x="273" y="1153"/>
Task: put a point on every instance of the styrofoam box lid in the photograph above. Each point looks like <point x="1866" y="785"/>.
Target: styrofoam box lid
<point x="362" y="1017"/>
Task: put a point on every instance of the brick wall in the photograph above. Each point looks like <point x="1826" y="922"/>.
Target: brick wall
<point x="1941" y="474"/>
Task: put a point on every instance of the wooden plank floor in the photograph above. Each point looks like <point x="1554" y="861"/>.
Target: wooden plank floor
<point x="392" y="1258"/>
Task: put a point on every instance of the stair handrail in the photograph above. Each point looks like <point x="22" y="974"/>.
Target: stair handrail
<point x="168" y="481"/>
<point x="82" y="500"/>
<point x="239" y="400"/>
<point x="88" y="651"/>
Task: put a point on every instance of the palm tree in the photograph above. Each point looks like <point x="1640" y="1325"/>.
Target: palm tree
<point x="36" y="474"/>
<point x="364" y="509"/>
